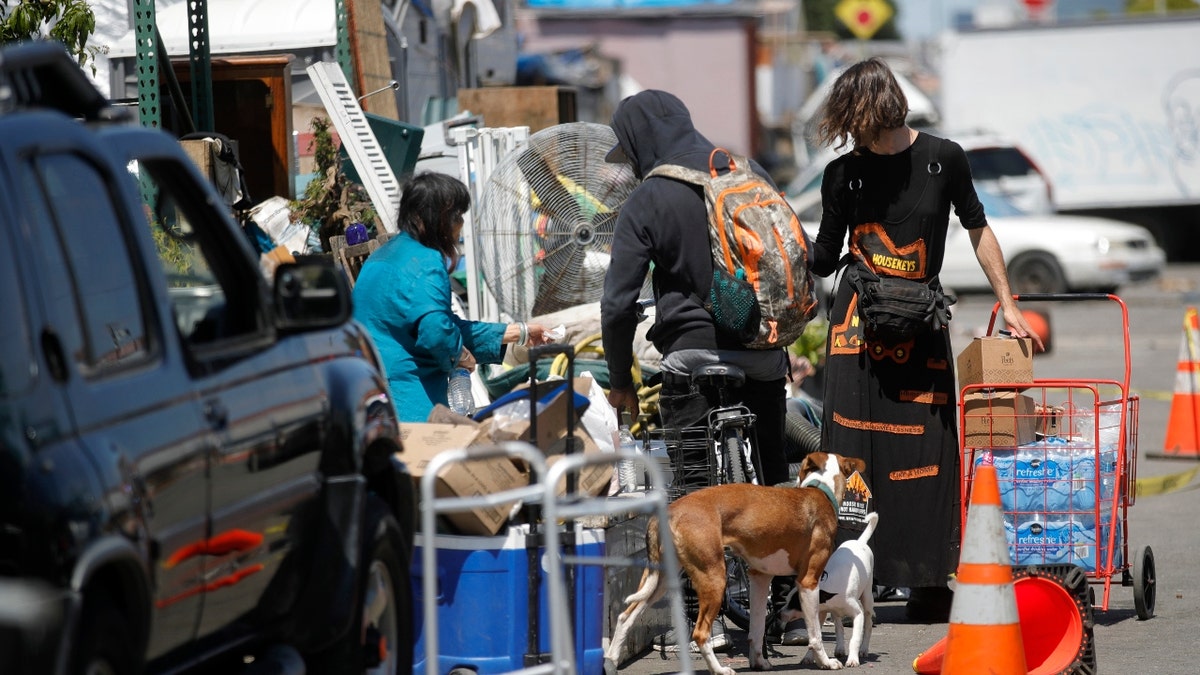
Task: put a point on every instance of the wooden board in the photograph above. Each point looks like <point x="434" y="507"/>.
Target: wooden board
<point x="533" y="107"/>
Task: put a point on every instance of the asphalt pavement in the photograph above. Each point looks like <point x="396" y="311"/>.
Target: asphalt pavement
<point x="1088" y="342"/>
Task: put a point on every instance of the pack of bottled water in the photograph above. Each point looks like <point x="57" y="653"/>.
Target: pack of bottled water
<point x="1052" y="475"/>
<point x="1036" y="539"/>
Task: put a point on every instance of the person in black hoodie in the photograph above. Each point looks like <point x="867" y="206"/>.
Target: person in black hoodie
<point x="664" y="223"/>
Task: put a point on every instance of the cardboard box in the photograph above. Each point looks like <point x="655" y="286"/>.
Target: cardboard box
<point x="996" y="360"/>
<point x="422" y="442"/>
<point x="552" y="439"/>
<point x="998" y="419"/>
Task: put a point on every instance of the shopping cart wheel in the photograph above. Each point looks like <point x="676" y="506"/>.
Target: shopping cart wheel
<point x="1144" y="583"/>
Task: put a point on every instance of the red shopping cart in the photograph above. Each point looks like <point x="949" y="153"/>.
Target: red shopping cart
<point x="1065" y="453"/>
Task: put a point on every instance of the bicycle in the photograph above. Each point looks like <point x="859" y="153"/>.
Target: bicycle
<point x="732" y="438"/>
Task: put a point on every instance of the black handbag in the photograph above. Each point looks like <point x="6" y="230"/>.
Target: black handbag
<point x="894" y="309"/>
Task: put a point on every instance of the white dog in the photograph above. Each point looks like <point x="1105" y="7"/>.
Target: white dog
<point x="846" y="591"/>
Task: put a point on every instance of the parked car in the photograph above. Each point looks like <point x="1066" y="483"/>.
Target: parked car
<point x="1004" y="167"/>
<point x="198" y="466"/>
<point x="1045" y="253"/>
<point x="1053" y="253"/>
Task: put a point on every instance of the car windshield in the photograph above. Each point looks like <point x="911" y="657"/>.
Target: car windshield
<point x="996" y="163"/>
<point x="995" y="204"/>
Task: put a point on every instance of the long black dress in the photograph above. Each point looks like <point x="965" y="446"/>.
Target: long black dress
<point x="895" y="405"/>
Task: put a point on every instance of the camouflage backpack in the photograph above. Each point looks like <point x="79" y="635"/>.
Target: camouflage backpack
<point x="762" y="290"/>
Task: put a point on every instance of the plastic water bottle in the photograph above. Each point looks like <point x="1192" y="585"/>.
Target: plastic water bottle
<point x="626" y="469"/>
<point x="458" y="392"/>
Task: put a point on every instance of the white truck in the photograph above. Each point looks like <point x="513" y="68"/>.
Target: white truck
<point x="1110" y="111"/>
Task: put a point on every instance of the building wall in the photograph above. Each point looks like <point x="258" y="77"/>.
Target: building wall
<point x="707" y="61"/>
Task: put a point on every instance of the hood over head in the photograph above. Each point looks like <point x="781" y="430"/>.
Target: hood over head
<point x="654" y="126"/>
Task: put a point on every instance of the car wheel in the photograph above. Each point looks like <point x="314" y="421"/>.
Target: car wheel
<point x="380" y="640"/>
<point x="106" y="645"/>
<point x="1036" y="272"/>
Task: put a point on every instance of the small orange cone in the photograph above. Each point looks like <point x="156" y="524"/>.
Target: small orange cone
<point x="1039" y="322"/>
<point x="985" y="629"/>
<point x="1183" y="424"/>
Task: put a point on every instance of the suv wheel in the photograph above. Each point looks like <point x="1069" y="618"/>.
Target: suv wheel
<point x="380" y="641"/>
<point x="106" y="645"/>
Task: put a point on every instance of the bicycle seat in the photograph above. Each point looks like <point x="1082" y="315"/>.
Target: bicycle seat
<point x="719" y="375"/>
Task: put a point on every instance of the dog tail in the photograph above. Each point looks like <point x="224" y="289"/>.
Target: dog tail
<point x="871" y="519"/>
<point x="654" y="554"/>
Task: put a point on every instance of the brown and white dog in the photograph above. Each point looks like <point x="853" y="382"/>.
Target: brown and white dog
<point x="778" y="531"/>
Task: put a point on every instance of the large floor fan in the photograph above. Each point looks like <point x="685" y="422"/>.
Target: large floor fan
<point x="545" y="219"/>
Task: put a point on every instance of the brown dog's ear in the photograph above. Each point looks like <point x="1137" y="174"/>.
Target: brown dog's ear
<point x="851" y="464"/>
<point x="813" y="461"/>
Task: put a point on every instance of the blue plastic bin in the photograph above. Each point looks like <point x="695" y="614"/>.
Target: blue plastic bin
<point x="483" y="603"/>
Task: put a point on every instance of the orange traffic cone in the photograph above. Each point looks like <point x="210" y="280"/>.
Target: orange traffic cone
<point x="985" y="630"/>
<point x="1183" y="424"/>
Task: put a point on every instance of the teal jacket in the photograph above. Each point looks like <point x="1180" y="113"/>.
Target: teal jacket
<point x="402" y="297"/>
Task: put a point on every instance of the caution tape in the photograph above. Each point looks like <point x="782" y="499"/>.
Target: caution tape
<point x="1161" y="485"/>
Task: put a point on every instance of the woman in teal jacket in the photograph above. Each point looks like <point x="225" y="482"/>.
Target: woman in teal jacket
<point x="402" y="297"/>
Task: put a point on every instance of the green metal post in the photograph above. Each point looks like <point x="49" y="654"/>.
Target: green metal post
<point x="201" y="64"/>
<point x="146" y="58"/>
<point x="342" y="49"/>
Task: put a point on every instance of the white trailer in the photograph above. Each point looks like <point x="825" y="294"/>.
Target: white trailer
<point x="1109" y="110"/>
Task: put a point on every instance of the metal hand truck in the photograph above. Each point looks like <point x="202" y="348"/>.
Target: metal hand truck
<point x="572" y="505"/>
<point x="560" y="662"/>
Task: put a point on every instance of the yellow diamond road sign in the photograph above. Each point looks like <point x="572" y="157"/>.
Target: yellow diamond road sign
<point x="863" y="17"/>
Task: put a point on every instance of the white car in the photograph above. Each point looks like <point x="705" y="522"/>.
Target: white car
<point x="1044" y="253"/>
<point x="1053" y="253"/>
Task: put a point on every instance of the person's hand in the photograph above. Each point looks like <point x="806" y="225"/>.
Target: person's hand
<point x="624" y="398"/>
<point x="1015" y="320"/>
<point x="537" y="335"/>
<point x="466" y="360"/>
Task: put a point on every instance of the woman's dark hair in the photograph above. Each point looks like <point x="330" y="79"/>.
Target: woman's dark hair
<point x="865" y="101"/>
<point x="429" y="205"/>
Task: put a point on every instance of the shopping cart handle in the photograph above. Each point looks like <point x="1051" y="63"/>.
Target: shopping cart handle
<point x="1034" y="297"/>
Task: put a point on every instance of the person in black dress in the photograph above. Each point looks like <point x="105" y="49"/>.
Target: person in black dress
<point x="888" y="201"/>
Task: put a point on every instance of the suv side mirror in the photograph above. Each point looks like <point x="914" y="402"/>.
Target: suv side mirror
<point x="310" y="293"/>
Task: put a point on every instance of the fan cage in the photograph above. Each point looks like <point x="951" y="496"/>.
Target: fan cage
<point x="545" y="219"/>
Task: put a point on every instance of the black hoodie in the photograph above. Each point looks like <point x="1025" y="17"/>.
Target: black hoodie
<point x="664" y="222"/>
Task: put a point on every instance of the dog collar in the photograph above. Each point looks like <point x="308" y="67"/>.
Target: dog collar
<point x="813" y="482"/>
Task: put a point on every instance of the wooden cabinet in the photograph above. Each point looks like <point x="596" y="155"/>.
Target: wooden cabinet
<point x="252" y="101"/>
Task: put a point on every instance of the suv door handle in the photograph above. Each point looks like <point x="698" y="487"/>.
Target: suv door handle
<point x="216" y="414"/>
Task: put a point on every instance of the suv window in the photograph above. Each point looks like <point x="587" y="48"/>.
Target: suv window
<point x="16" y="353"/>
<point x="103" y="289"/>
<point x="210" y="304"/>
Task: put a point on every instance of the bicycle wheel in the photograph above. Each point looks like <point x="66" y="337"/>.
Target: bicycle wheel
<point x="735" y="459"/>
<point x="737" y="591"/>
<point x="737" y="580"/>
